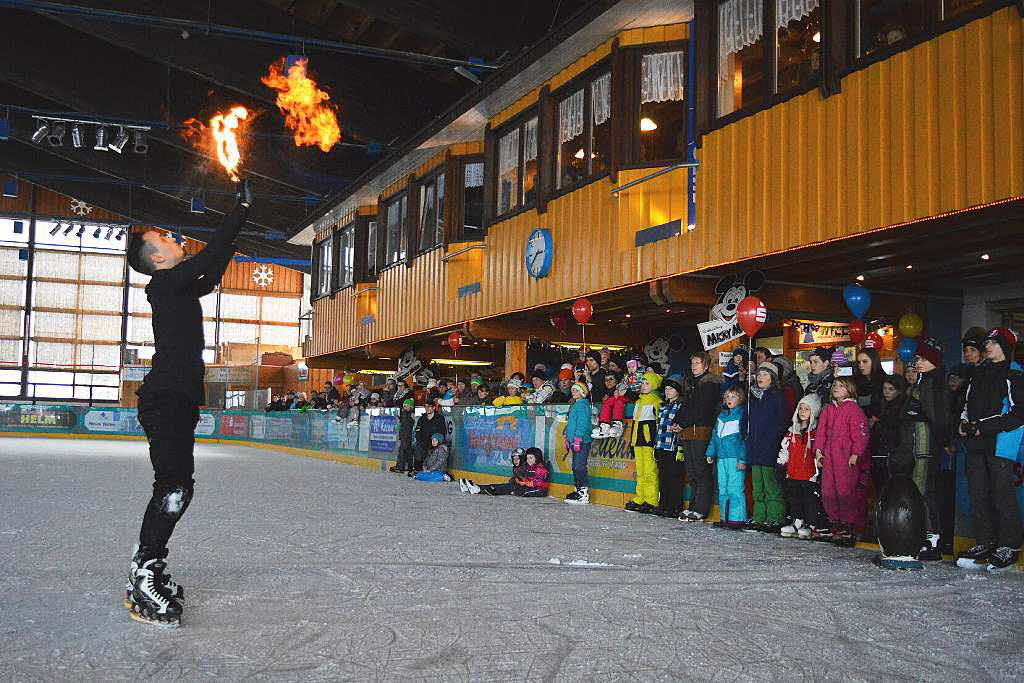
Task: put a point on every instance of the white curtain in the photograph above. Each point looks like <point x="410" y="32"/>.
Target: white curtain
<point x="662" y="77"/>
<point x="508" y="152"/>
<point x="570" y="117"/>
<point x="740" y="23"/>
<point x="601" y="99"/>
<point x="793" y="10"/>
<point x="474" y="175"/>
<point x="530" y="142"/>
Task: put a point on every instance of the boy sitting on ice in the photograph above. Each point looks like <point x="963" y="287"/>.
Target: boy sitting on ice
<point x="436" y="462"/>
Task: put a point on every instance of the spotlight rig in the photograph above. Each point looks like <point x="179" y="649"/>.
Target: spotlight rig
<point x="53" y="128"/>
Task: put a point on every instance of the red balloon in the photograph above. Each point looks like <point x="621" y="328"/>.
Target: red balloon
<point x="858" y="333"/>
<point x="751" y="314"/>
<point x="455" y="341"/>
<point x="582" y="311"/>
<point x="875" y="341"/>
<point x="559" y="322"/>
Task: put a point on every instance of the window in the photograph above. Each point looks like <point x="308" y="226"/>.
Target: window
<point x="661" y="122"/>
<point x="741" y="55"/>
<point x="371" y="250"/>
<point x="324" y="266"/>
<point x="881" y="23"/>
<point x="952" y="8"/>
<point x="584" y="133"/>
<point x="517" y="166"/>
<point x="431" y="229"/>
<point x="472" y="201"/>
<point x="798" y="43"/>
<point x="346" y="256"/>
<point x="396" y="240"/>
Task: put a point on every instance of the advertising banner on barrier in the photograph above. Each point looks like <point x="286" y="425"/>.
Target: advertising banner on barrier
<point x="609" y="458"/>
<point x="279" y="427"/>
<point x="383" y="433"/>
<point x="258" y="426"/>
<point x="234" y="425"/>
<point x="30" y="417"/>
<point x="207" y="425"/>
<point x="488" y="435"/>
<point x="112" y="421"/>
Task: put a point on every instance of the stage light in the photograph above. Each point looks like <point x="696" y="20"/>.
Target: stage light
<point x="96" y="233"/>
<point x="101" y="139"/>
<point x="76" y="135"/>
<point x="119" y="142"/>
<point x="56" y="136"/>
<point x="67" y="230"/>
<point x="139" y="143"/>
<point x="55" y="230"/>
<point x="110" y="233"/>
<point x="81" y="230"/>
<point x="41" y="132"/>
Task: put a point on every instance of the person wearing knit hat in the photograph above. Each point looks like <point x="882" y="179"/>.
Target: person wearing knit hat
<point x="406" y="453"/>
<point x="645" y="430"/>
<point x="789" y="382"/>
<point x="512" y="397"/>
<point x="766" y="422"/>
<point x="735" y="370"/>
<point x="762" y="354"/>
<point x="993" y="425"/>
<point x="436" y="462"/>
<point x="577" y="443"/>
<point x="671" y="472"/>
<point x="821" y="376"/>
<point x="769" y="367"/>
<point x="973" y="345"/>
<point x="674" y="381"/>
<point x="927" y="429"/>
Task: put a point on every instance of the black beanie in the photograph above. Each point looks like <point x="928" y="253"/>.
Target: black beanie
<point x="595" y="355"/>
<point x="823" y="353"/>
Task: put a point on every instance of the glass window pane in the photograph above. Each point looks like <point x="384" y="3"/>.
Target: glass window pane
<point x="741" y="55"/>
<point x="371" y="248"/>
<point x="951" y="8"/>
<point x="473" y="201"/>
<point x="346" y="258"/>
<point x="798" y="43"/>
<point x="428" y="215"/>
<point x="280" y="309"/>
<point x="572" y="163"/>
<point x="325" y="258"/>
<point x="10" y="352"/>
<point x="601" y="124"/>
<point x="508" y="171"/>
<point x="403" y="235"/>
<point x="101" y="327"/>
<point x="530" y="161"/>
<point x="886" y="22"/>
<point x="279" y="335"/>
<point x="11" y="322"/>
<point x="45" y="324"/>
<point x="439" y="193"/>
<point x="661" y="127"/>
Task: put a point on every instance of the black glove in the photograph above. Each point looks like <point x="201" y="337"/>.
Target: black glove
<point x="244" y="194"/>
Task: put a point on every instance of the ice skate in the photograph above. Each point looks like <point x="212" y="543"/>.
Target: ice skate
<point x="930" y="550"/>
<point x="631" y="506"/>
<point x="804" y="533"/>
<point x="462" y="486"/>
<point x="173" y="588"/>
<point x="616" y="429"/>
<point x="601" y="431"/>
<point x="1002" y="559"/>
<point x="578" y="497"/>
<point x="821" y="533"/>
<point x="975" y="558"/>
<point x="152" y="602"/>
<point x="472" y="487"/>
<point x="791" y="530"/>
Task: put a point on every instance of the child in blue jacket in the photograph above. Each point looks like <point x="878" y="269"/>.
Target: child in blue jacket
<point x="728" y="447"/>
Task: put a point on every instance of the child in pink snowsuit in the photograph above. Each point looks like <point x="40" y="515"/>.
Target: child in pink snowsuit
<point x="841" y="451"/>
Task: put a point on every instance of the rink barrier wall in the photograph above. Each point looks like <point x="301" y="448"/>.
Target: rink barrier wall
<point x="481" y="438"/>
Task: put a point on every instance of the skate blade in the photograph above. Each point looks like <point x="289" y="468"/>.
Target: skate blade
<point x="154" y="622"/>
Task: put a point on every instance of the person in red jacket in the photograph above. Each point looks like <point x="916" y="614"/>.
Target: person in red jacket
<point x="841" y="452"/>
<point x="803" y="492"/>
<point x="533" y="483"/>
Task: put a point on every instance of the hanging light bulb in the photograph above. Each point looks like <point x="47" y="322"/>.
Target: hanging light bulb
<point x="579" y="154"/>
<point x="647" y="125"/>
<point x="816" y="37"/>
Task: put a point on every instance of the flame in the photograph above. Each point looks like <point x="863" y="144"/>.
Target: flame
<point x="223" y="127"/>
<point x="308" y="109"/>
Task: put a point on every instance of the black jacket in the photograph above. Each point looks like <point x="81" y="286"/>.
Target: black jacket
<point x="406" y="422"/>
<point x="702" y="403"/>
<point x="426" y="427"/>
<point x="990" y="384"/>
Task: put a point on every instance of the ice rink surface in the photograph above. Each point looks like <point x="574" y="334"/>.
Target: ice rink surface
<point x="300" y="569"/>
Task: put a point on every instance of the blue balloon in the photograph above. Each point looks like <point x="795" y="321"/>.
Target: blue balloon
<point x="907" y="349"/>
<point x="858" y="299"/>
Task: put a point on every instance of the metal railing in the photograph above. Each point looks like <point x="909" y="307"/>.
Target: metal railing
<point x="685" y="164"/>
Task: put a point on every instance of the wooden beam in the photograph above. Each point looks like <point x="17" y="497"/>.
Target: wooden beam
<point x="596" y="334"/>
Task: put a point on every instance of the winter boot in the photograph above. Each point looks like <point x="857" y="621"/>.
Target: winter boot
<point x="977" y="557"/>
<point x="791" y="530"/>
<point x="598" y="431"/>
<point x="462" y="486"/>
<point x="578" y="497"/>
<point x="175" y="590"/>
<point x="804" y="533"/>
<point x="1003" y="558"/>
<point x="152" y="602"/>
<point x="631" y="506"/>
<point x="930" y="550"/>
<point x="616" y="429"/>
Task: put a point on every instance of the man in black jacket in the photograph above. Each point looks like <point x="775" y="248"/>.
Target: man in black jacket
<point x="993" y="422"/>
<point x="430" y="423"/>
<point x="170" y="396"/>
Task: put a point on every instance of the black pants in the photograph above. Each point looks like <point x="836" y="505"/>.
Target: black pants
<point x="701" y="476"/>
<point x="496" y="489"/>
<point x="406" y="457"/>
<point x="804" y="500"/>
<point x="169" y="420"/>
<point x="421" y="455"/>
<point x="990" y="483"/>
<point x="671" y="475"/>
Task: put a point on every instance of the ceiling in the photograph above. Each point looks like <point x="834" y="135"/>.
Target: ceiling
<point x="118" y="68"/>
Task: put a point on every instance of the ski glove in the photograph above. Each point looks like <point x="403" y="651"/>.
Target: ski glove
<point x="577" y="445"/>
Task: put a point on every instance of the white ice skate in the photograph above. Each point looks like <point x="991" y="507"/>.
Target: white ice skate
<point x="152" y="602"/>
<point x="602" y="431"/>
<point x="804" y="534"/>
<point x="791" y="530"/>
<point x="578" y="497"/>
<point x="616" y="429"/>
<point x="471" y="487"/>
<point x="177" y="591"/>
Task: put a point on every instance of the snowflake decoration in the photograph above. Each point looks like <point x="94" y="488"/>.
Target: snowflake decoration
<point x="263" y="275"/>
<point x="80" y="207"/>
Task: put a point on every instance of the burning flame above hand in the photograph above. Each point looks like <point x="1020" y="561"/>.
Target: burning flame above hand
<point x="308" y="110"/>
<point x="223" y="127"/>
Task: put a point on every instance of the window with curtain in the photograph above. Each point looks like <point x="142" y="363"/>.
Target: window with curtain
<point x="741" y="55"/>
<point x="798" y="43"/>
<point x="346" y="256"/>
<point x="325" y="263"/>
<point x="395" y="238"/>
<point x="472" y="200"/>
<point x="508" y="171"/>
<point x="661" y="120"/>
<point x="529" y="173"/>
<point x="431" y="228"/>
<point x="371" y="249"/>
<point x="584" y="133"/>
<point x="881" y="23"/>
